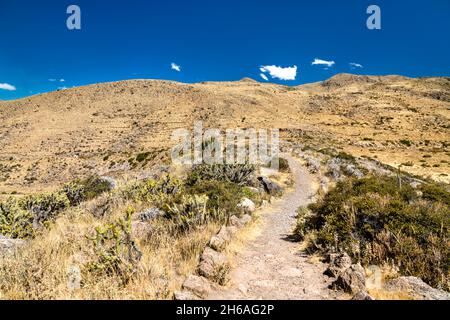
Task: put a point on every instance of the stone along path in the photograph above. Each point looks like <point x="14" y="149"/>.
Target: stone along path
<point x="271" y="266"/>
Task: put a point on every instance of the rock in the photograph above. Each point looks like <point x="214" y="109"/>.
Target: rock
<point x="247" y="205"/>
<point x="8" y="246"/>
<point x="141" y="230"/>
<point x="235" y="222"/>
<point x="363" y="295"/>
<point x="246" y="219"/>
<point x="199" y="286"/>
<point x="185" y="295"/>
<point x="149" y="214"/>
<point x="211" y="263"/>
<point x="220" y="240"/>
<point x="270" y="187"/>
<point x="338" y="263"/>
<point x="416" y="288"/>
<point x="352" y="280"/>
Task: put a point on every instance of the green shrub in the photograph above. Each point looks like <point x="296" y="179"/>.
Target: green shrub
<point x="406" y="142"/>
<point x="15" y="222"/>
<point x="94" y="186"/>
<point x="435" y="192"/>
<point x="117" y="252"/>
<point x="377" y="222"/>
<point x="223" y="196"/>
<point x="187" y="211"/>
<point x="241" y="174"/>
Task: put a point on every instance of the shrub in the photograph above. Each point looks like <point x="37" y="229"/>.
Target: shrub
<point x="75" y="192"/>
<point x="241" y="174"/>
<point x="377" y="222"/>
<point x="14" y="221"/>
<point x="223" y="196"/>
<point x="44" y="207"/>
<point x="406" y="142"/>
<point x="187" y="211"/>
<point x="94" y="186"/>
<point x="117" y="252"/>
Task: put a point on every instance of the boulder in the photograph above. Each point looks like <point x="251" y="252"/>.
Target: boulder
<point x="211" y="263"/>
<point x="199" y="286"/>
<point x="149" y="214"/>
<point x="220" y="240"/>
<point x="416" y="289"/>
<point x="339" y="262"/>
<point x="270" y="187"/>
<point x="352" y="280"/>
<point x="247" y="205"/>
<point x="235" y="222"/>
<point x="185" y="295"/>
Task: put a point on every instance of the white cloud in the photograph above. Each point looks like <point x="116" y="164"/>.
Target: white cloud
<point x="288" y="73"/>
<point x="262" y="75"/>
<point x="175" y="67"/>
<point x="323" y="62"/>
<point x="354" y="65"/>
<point x="62" y="80"/>
<point x="55" y="80"/>
<point x="7" y="86"/>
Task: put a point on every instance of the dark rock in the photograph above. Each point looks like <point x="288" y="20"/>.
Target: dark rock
<point x="270" y="187"/>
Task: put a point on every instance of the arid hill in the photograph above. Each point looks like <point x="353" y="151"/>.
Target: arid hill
<point x="111" y="128"/>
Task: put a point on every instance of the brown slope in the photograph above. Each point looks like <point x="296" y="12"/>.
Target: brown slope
<point x="52" y="138"/>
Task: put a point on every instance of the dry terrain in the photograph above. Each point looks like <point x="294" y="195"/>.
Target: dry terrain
<point x="49" y="139"/>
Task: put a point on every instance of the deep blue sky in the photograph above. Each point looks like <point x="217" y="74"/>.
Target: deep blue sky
<point x="215" y="40"/>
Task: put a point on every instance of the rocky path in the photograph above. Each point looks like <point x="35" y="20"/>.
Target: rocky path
<point x="270" y="265"/>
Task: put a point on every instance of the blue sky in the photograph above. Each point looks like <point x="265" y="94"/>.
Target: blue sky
<point x="215" y="40"/>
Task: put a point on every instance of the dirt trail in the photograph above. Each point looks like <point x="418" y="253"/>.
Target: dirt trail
<point x="271" y="266"/>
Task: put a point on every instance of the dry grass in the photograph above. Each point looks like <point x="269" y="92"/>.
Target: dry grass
<point x="40" y="270"/>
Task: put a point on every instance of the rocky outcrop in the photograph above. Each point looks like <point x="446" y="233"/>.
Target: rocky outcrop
<point x="416" y="289"/>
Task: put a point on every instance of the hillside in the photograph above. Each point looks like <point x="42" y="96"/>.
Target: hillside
<point x="49" y="139"/>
